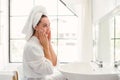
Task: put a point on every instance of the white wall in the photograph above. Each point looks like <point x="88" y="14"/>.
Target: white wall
<point x="117" y="2"/>
<point x="87" y="45"/>
<point x="101" y="7"/>
<point x="85" y="31"/>
<point x="78" y="9"/>
<point x="4" y="33"/>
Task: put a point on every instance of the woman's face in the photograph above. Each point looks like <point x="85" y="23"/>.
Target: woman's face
<point x="44" y="25"/>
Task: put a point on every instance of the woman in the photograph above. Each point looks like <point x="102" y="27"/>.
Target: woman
<point x="39" y="57"/>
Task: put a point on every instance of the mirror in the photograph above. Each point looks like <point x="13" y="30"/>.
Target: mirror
<point x="107" y="37"/>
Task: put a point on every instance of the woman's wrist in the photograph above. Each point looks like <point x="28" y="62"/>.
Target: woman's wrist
<point x="46" y="48"/>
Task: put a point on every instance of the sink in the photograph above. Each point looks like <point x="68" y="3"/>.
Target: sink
<point x="86" y="71"/>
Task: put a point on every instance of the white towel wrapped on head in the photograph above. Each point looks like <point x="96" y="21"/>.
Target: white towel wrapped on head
<point x="33" y="20"/>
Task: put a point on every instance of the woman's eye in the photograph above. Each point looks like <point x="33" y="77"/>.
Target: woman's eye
<point x="44" y="25"/>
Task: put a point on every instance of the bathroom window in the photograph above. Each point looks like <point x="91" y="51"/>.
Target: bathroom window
<point x="64" y="36"/>
<point x="115" y="37"/>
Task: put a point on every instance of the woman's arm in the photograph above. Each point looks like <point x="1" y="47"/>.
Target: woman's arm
<point x="53" y="55"/>
<point x="48" y="51"/>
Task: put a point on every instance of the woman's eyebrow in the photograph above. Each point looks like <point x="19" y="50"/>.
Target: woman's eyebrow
<point x="46" y="23"/>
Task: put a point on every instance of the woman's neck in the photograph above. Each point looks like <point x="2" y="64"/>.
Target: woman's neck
<point x="35" y="34"/>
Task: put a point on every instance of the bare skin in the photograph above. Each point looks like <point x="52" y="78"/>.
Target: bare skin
<point x="43" y="33"/>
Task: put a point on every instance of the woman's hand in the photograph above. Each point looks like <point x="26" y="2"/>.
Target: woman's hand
<point x="43" y="39"/>
<point x="49" y="35"/>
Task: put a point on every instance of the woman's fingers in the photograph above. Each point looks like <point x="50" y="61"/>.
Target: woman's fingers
<point x="49" y="35"/>
<point x="43" y="39"/>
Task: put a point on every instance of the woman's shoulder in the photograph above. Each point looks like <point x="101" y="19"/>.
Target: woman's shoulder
<point x="32" y="48"/>
<point x="33" y="43"/>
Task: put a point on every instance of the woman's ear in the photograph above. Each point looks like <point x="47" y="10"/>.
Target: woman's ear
<point x="36" y="28"/>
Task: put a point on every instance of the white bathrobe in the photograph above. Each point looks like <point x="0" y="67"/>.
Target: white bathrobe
<point x="35" y="65"/>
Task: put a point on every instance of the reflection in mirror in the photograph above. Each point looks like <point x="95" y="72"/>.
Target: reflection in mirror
<point x="116" y="37"/>
<point x="107" y="37"/>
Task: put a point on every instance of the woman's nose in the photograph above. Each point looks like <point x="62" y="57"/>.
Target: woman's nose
<point x="48" y="30"/>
